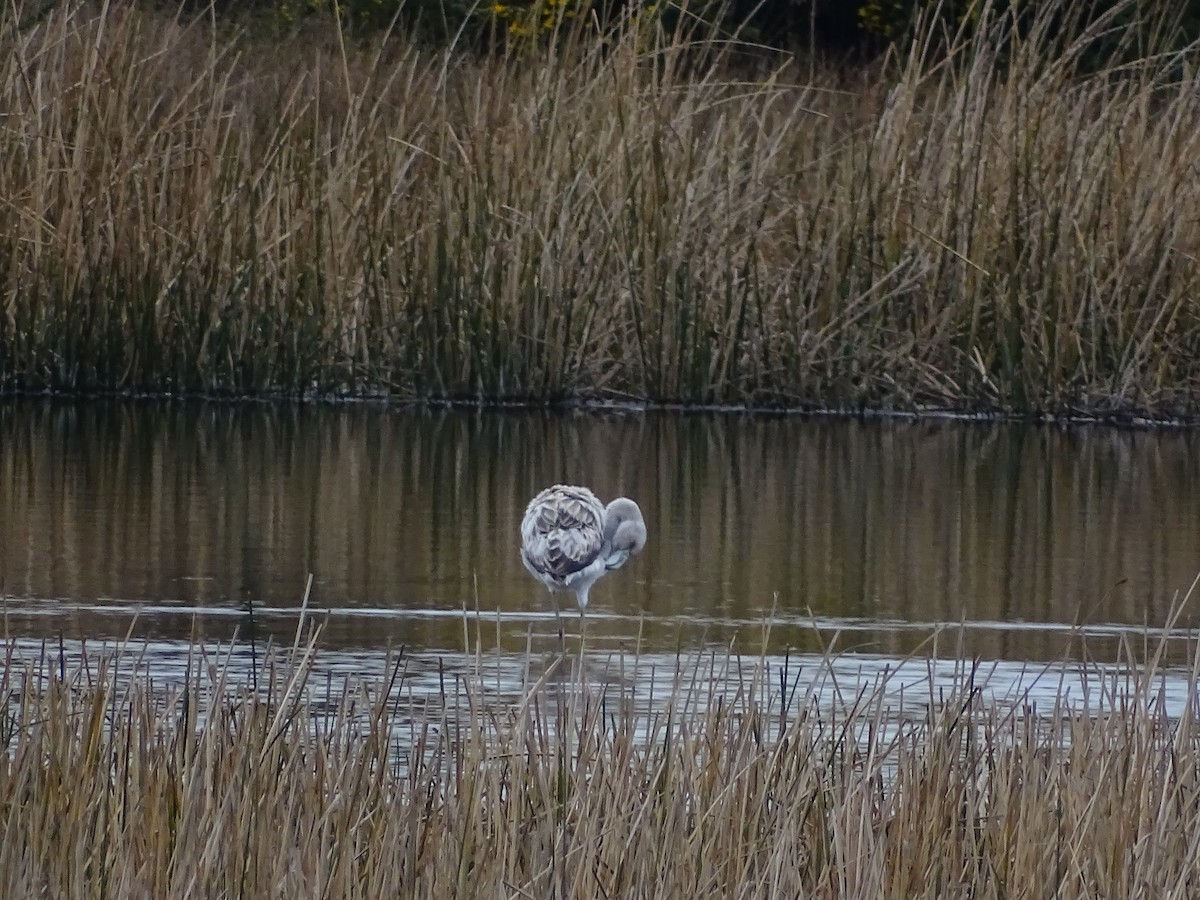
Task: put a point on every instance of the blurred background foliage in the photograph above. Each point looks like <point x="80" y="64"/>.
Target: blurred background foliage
<point x="856" y="29"/>
<point x="845" y="29"/>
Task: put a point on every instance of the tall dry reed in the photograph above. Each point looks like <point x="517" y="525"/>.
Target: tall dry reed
<point x="734" y="784"/>
<point x="646" y="217"/>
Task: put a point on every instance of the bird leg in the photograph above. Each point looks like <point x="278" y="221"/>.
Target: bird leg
<point x="562" y="644"/>
<point x="582" y="634"/>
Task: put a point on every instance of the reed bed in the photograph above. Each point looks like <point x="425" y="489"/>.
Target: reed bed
<point x="639" y="216"/>
<point x="740" y="786"/>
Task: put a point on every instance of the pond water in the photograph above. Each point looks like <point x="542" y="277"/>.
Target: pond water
<point x="191" y="517"/>
<point x="182" y="521"/>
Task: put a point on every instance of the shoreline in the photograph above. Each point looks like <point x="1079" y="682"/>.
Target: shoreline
<point x="1076" y="419"/>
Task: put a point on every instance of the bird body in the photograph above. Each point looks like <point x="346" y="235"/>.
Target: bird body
<point x="569" y="538"/>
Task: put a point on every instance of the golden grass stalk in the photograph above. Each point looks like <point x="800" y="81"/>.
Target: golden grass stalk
<point x="643" y="217"/>
<point x="734" y="782"/>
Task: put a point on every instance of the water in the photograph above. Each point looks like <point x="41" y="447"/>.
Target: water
<point x="182" y="522"/>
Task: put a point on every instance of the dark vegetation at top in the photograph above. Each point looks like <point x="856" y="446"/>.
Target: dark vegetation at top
<point x="857" y="30"/>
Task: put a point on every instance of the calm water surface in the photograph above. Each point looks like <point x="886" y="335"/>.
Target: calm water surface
<point x="201" y="521"/>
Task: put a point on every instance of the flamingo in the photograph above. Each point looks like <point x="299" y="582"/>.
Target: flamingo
<point x="569" y="538"/>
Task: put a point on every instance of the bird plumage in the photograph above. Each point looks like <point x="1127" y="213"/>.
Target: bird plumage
<point x="569" y="538"/>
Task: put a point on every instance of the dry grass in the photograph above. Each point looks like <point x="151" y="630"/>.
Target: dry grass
<point x="180" y="211"/>
<point x="737" y="786"/>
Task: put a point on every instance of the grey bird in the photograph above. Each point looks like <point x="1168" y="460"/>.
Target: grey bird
<point x="569" y="538"/>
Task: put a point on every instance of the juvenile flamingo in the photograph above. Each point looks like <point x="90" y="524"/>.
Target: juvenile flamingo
<point x="569" y="538"/>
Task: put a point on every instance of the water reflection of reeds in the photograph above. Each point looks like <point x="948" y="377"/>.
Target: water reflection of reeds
<point x="209" y="505"/>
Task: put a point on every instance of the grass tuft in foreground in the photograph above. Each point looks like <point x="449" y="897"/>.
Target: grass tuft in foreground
<point x="734" y="782"/>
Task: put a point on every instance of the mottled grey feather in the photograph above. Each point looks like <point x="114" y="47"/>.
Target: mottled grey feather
<point x="563" y="532"/>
